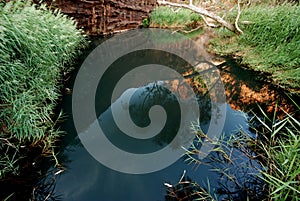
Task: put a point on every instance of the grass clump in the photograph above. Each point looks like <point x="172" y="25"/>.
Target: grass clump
<point x="274" y="156"/>
<point x="164" y="16"/>
<point x="229" y="156"/>
<point x="35" y="46"/>
<point x="279" y="146"/>
<point x="270" y="42"/>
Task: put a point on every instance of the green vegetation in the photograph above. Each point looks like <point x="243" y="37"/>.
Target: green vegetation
<point x="168" y="17"/>
<point x="145" y="23"/>
<point x="277" y="148"/>
<point x="35" y="46"/>
<point x="279" y="145"/>
<point x="227" y="158"/>
<point x="270" y="42"/>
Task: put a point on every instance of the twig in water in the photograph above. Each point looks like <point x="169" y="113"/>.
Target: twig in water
<point x="183" y="174"/>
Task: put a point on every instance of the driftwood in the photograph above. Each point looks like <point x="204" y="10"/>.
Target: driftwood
<point x="206" y="13"/>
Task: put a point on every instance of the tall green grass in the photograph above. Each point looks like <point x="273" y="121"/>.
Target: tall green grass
<point x="35" y="47"/>
<point x="270" y="42"/>
<point x="275" y="35"/>
<point x="276" y="148"/>
<point x="279" y="147"/>
<point x="167" y="17"/>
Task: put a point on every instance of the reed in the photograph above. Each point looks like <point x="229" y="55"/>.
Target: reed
<point x="36" y="47"/>
<point x="275" y="148"/>
<point x="279" y="146"/>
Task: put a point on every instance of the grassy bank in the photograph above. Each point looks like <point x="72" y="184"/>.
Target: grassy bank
<point x="166" y="17"/>
<point x="35" y="47"/>
<point x="270" y="42"/>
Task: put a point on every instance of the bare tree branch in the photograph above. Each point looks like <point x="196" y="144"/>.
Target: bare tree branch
<point x="200" y="11"/>
<point x="237" y="18"/>
<point x="209" y="24"/>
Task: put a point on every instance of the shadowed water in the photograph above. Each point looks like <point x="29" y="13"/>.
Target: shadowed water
<point x="80" y="177"/>
<point x="84" y="178"/>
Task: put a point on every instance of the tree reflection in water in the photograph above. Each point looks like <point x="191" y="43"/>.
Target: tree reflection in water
<point x="162" y="93"/>
<point x="45" y="190"/>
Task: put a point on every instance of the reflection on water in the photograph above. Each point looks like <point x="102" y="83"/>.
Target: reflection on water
<point x="85" y="178"/>
<point x="142" y="100"/>
<point x="81" y="177"/>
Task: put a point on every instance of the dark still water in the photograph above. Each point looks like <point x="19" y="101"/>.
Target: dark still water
<point x="84" y="178"/>
<point x="128" y="131"/>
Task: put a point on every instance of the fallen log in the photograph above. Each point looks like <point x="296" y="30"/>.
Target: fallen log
<point x="203" y="12"/>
